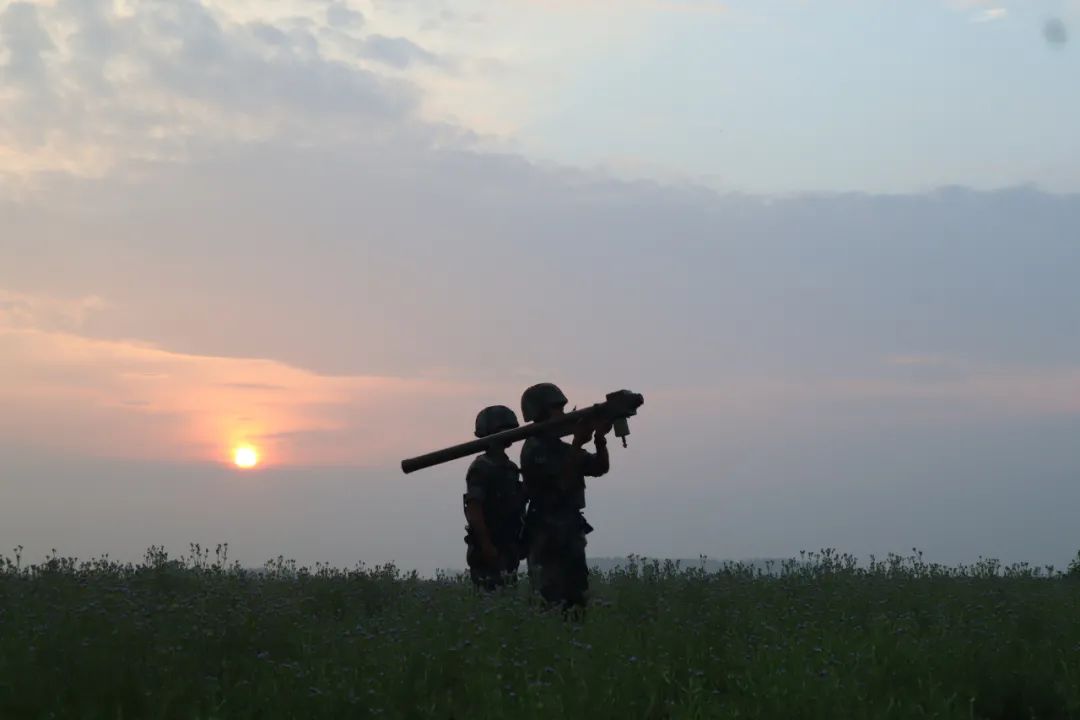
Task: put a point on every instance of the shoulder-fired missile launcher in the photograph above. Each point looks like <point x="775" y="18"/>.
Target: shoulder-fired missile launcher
<point x="618" y="406"/>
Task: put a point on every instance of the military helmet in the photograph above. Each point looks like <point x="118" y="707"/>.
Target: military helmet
<point x="537" y="400"/>
<point x="493" y="419"/>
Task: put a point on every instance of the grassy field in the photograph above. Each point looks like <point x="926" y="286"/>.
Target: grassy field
<point x="197" y="638"/>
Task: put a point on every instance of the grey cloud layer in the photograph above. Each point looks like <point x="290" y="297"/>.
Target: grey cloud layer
<point x="170" y="73"/>
<point x="476" y="262"/>
<point x="431" y="256"/>
<point x="26" y="41"/>
<point x="398" y="52"/>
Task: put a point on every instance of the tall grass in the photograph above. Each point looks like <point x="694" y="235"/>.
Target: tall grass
<point x="819" y="637"/>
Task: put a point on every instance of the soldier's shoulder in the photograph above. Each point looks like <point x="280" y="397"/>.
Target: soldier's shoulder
<point x="487" y="463"/>
<point x="533" y="444"/>
<point x="542" y="440"/>
<point x="480" y="464"/>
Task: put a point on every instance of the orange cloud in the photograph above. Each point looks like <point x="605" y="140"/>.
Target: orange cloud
<point x="65" y="391"/>
<point x="26" y="310"/>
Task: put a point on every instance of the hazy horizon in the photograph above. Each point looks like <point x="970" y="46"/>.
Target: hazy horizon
<point x="835" y="247"/>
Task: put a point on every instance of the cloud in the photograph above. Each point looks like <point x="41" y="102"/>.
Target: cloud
<point x="969" y="4"/>
<point x="397" y="52"/>
<point x="92" y="85"/>
<point x="991" y="14"/>
<point x="26" y="41"/>
<point x="340" y="15"/>
<point x="320" y="258"/>
<point x="708" y="7"/>
<point x="26" y="310"/>
<point x="1011" y="393"/>
<point x="962" y="397"/>
<point x="254" y="386"/>
<point x="921" y="360"/>
<point x="67" y="391"/>
<point x="983" y="11"/>
<point x="341" y="239"/>
<point x="680" y="6"/>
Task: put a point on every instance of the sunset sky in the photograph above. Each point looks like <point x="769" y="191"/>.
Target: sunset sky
<point x="835" y="244"/>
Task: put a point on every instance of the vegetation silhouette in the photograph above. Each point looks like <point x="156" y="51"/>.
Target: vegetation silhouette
<point x="821" y="635"/>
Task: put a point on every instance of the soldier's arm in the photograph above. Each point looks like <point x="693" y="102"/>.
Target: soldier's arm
<point x="598" y="463"/>
<point x="593" y="464"/>
<point x="474" y="513"/>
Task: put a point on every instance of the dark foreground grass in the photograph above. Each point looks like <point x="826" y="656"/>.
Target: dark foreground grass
<point x="823" y="639"/>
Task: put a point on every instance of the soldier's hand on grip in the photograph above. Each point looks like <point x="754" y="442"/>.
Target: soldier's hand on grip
<point x="603" y="427"/>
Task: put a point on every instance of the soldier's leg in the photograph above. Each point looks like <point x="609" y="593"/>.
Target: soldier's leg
<point x="562" y="583"/>
<point x="545" y="572"/>
<point x="482" y="576"/>
<point x="504" y="572"/>
<point x="470" y="562"/>
<point x="552" y="586"/>
<point x="511" y="562"/>
<point x="576" y="570"/>
<point x="534" y="561"/>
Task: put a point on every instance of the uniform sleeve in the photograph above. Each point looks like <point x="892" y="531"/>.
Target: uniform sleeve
<point x="475" y="483"/>
<point x="591" y="465"/>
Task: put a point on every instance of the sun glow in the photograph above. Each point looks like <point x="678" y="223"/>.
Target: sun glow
<point x="245" y="456"/>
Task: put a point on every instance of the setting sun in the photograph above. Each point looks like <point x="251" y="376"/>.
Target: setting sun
<point x="245" y="457"/>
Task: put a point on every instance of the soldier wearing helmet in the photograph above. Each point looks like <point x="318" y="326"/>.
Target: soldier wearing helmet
<point x="554" y="473"/>
<point x="494" y="506"/>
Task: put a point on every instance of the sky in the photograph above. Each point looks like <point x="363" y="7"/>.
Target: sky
<point x="834" y="244"/>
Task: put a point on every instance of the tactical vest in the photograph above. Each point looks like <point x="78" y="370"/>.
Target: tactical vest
<point x="542" y="462"/>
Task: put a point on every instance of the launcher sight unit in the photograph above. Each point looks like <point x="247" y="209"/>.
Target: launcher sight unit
<point x="618" y="406"/>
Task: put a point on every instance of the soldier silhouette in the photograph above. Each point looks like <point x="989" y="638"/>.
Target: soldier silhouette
<point x="554" y="473"/>
<point x="494" y="504"/>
